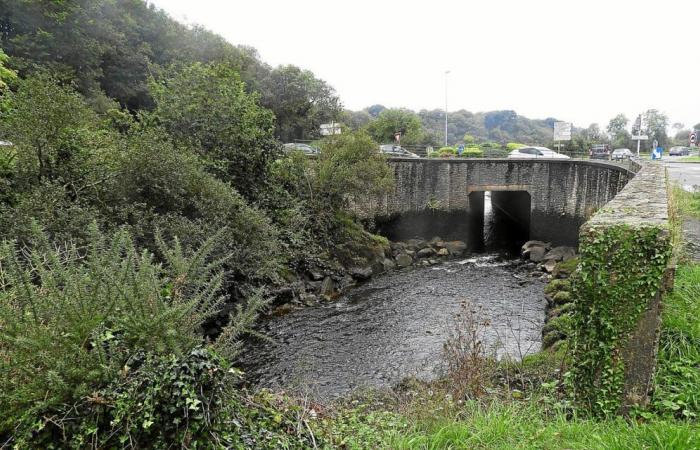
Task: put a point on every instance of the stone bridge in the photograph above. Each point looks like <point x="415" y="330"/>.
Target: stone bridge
<point x="546" y="199"/>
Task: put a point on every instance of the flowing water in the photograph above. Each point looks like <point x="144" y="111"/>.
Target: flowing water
<point x="395" y="326"/>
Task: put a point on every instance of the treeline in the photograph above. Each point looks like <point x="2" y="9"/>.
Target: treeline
<point x="147" y="214"/>
<point x="109" y="49"/>
<point x="427" y="128"/>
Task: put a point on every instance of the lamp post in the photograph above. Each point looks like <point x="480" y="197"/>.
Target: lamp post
<point x="446" y="72"/>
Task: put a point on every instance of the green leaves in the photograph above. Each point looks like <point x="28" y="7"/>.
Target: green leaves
<point x="621" y="269"/>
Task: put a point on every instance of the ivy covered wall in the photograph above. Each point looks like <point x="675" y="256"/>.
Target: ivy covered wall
<point x="625" y="251"/>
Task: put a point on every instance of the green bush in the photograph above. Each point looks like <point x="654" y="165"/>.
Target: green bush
<point x="472" y="152"/>
<point x="73" y="318"/>
<point x="513" y="146"/>
<point x="447" y="151"/>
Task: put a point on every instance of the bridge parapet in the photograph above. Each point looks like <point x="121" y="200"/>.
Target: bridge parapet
<point x="623" y="272"/>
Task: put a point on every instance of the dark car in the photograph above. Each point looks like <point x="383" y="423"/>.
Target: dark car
<point x="679" y="151"/>
<point x="599" y="151"/>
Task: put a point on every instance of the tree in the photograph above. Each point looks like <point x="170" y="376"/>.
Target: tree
<point x="55" y="132"/>
<point x="375" y="110"/>
<point x="594" y="134"/>
<point x="206" y="108"/>
<point x="391" y="121"/>
<point x="617" y="130"/>
<point x="301" y="102"/>
<point x="656" y="125"/>
<point x="7" y="75"/>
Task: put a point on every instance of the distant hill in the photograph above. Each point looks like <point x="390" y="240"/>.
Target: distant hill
<point x="492" y="126"/>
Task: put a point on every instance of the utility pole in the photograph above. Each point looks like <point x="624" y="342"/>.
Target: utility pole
<point x="446" y="72"/>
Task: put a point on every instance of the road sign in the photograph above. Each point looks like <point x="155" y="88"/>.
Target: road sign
<point x="641" y="137"/>
<point x="562" y="131"/>
<point x="328" y="129"/>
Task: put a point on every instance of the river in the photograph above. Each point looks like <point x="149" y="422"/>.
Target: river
<point x="395" y="325"/>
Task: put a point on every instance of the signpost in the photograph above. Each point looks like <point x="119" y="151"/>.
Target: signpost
<point x="562" y="132"/>
<point x="640" y="137"/>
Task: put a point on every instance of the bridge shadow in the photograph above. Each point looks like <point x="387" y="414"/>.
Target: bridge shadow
<point x="497" y="221"/>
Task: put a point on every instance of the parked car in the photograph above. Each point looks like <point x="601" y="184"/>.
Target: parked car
<point x="622" y="153"/>
<point x="679" y="151"/>
<point x="306" y="148"/>
<point x="599" y="151"/>
<point x="535" y="152"/>
<point x="396" y="151"/>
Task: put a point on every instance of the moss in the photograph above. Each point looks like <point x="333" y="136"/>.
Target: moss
<point x="555" y="286"/>
<point x="566" y="267"/>
<point x="562" y="324"/>
<point x="562" y="297"/>
<point x="551" y="338"/>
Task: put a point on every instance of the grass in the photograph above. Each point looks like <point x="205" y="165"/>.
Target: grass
<point x="689" y="159"/>
<point x="687" y="202"/>
<point x="524" y="426"/>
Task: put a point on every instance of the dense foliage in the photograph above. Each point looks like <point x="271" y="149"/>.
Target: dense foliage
<point x="111" y="48"/>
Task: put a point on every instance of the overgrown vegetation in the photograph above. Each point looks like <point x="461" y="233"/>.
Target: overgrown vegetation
<point x="621" y="269"/>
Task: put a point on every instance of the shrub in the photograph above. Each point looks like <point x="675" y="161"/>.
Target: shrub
<point x="447" y="151"/>
<point x="513" y="146"/>
<point x="472" y="152"/>
<point x="73" y="318"/>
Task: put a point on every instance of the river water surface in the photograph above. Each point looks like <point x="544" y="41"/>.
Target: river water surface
<point x="394" y="327"/>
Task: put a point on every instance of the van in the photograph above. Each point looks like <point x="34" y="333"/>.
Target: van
<point x="599" y="151"/>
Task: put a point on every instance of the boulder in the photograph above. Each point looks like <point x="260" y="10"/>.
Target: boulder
<point x="404" y="260"/>
<point x="549" y="265"/>
<point x="389" y="264"/>
<point x="360" y="273"/>
<point x="417" y="244"/>
<point x="561" y="253"/>
<point x="426" y="252"/>
<point x="434" y="241"/>
<point x="536" y="253"/>
<point x="443" y="252"/>
<point x="456" y="248"/>
<point x="526" y="246"/>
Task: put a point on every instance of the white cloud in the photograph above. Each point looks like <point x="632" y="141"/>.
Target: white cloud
<point x="583" y="61"/>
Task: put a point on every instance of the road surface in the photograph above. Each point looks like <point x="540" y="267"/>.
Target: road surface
<point x="686" y="174"/>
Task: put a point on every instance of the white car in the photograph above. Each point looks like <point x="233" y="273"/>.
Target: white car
<point x="535" y="152"/>
<point x="622" y="153"/>
<point x="396" y="151"/>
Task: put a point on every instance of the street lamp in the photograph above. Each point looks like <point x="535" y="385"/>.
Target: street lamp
<point x="446" y="72"/>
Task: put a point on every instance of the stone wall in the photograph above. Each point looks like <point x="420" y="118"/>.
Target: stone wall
<point x="565" y="192"/>
<point x="623" y="271"/>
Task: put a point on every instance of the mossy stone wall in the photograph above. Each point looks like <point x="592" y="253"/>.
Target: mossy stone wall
<point x="625" y="251"/>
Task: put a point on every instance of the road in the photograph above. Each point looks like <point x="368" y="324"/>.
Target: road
<point x="686" y="174"/>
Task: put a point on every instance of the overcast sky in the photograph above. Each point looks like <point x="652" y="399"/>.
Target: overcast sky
<point x="580" y="61"/>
